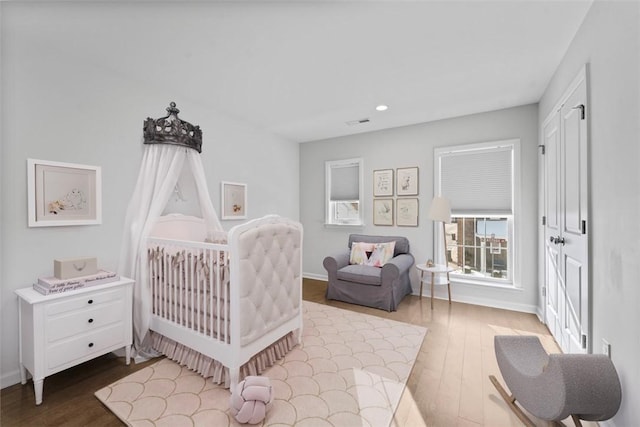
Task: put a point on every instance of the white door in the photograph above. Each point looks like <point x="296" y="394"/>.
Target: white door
<point x="566" y="229"/>
<point x="554" y="284"/>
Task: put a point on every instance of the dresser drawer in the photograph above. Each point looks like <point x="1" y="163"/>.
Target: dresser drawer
<point x="72" y="323"/>
<point x="85" y="345"/>
<point x="86" y="300"/>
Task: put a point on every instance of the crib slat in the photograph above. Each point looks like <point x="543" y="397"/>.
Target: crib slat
<point x="195" y="300"/>
<point x="165" y="274"/>
<point x="150" y="272"/>
<point x="190" y="287"/>
<point x="188" y="310"/>
<point x="153" y="273"/>
<point x="217" y="301"/>
<point x="169" y="287"/>
<point x="226" y="325"/>
<point x="169" y="297"/>
<point x="209" y="299"/>
<point x="180" y="302"/>
<point x="172" y="289"/>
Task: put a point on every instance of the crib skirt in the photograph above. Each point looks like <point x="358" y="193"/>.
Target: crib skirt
<point x="211" y="368"/>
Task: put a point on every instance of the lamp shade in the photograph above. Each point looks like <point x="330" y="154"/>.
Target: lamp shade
<point x="440" y="210"/>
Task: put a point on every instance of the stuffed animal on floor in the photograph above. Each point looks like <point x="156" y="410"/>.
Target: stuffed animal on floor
<point x="249" y="401"/>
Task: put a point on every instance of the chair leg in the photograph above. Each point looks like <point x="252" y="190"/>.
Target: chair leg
<point x="576" y="420"/>
<point x="510" y="400"/>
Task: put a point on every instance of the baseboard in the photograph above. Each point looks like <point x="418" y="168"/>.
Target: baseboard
<point x="11" y="378"/>
<point x="314" y="276"/>
<point x="505" y="305"/>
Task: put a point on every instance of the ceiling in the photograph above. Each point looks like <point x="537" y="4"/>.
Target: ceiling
<point x="302" y="69"/>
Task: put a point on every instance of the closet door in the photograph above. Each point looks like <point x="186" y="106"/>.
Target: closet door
<point x="554" y="285"/>
<point x="566" y="233"/>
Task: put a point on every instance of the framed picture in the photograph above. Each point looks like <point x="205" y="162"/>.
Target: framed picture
<point x="407" y="181"/>
<point x="382" y="211"/>
<point x="383" y="183"/>
<point x="233" y="200"/>
<point x="407" y="212"/>
<point x="62" y="194"/>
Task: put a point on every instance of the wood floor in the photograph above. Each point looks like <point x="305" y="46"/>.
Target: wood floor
<point x="449" y="384"/>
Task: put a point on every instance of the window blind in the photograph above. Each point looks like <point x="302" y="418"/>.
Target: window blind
<point x="478" y="181"/>
<point x="345" y="182"/>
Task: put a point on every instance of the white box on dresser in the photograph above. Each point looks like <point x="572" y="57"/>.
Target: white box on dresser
<point x="62" y="330"/>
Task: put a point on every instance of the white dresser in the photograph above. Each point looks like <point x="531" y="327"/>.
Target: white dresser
<point x="62" y="330"/>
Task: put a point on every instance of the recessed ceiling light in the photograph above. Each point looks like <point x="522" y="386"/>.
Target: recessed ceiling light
<point x="382" y="107"/>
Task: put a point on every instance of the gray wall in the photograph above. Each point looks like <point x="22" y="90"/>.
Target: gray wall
<point x="63" y="108"/>
<point x="609" y="41"/>
<point x="413" y="146"/>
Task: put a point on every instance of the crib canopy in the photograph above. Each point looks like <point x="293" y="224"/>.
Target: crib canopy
<point x="171" y="144"/>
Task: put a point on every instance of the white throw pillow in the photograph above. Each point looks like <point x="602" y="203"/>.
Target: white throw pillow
<point x="382" y="253"/>
<point x="360" y="252"/>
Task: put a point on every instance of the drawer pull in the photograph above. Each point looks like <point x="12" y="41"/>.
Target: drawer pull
<point x="90" y="301"/>
<point x="90" y="344"/>
<point x="90" y="320"/>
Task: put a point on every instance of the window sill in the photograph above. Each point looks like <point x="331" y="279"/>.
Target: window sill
<point x="333" y="225"/>
<point x="461" y="279"/>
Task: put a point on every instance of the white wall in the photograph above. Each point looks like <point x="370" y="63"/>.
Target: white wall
<point x="609" y="41"/>
<point x="413" y="146"/>
<point x="60" y="107"/>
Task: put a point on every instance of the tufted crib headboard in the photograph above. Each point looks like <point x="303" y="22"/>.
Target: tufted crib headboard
<point x="266" y="263"/>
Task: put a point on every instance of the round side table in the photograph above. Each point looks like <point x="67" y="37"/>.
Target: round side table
<point x="436" y="269"/>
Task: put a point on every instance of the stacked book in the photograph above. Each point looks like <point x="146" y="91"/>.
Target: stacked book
<point x="53" y="285"/>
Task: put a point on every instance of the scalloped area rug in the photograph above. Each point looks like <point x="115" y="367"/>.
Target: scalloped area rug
<point x="349" y="370"/>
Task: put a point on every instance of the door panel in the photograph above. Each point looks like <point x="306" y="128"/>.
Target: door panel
<point x="553" y="291"/>
<point x="573" y="279"/>
<point x="566" y="238"/>
<point x="574" y="192"/>
<point x="552" y="165"/>
<point x="571" y="169"/>
<point x="573" y="273"/>
<point x="552" y="213"/>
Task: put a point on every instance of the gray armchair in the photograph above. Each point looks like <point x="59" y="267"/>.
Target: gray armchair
<point x="378" y="287"/>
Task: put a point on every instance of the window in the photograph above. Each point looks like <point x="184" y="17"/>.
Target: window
<point x="479" y="246"/>
<point x="344" y="192"/>
<point x="478" y="180"/>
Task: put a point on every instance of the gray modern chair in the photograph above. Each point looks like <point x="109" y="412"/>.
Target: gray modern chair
<point x="553" y="387"/>
<point x="378" y="287"/>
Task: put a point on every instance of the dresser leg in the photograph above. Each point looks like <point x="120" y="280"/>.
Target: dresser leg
<point x="37" y="387"/>
<point x="127" y="354"/>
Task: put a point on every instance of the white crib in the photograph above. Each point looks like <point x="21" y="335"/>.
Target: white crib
<point x="220" y="307"/>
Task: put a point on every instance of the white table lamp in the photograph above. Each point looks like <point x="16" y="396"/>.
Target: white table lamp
<point x="440" y="210"/>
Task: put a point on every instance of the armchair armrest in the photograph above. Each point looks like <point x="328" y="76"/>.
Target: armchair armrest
<point x="402" y="261"/>
<point x="396" y="266"/>
<point x="335" y="262"/>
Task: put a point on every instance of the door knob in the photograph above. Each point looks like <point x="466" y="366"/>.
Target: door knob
<point x="557" y="240"/>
